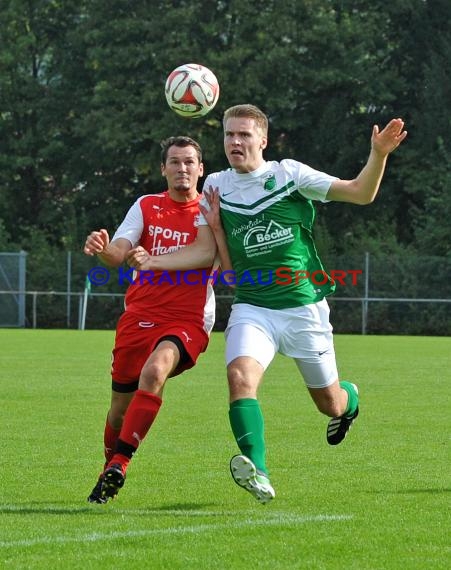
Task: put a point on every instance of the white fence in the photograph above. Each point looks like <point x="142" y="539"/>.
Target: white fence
<point x="76" y="308"/>
<point x="392" y="294"/>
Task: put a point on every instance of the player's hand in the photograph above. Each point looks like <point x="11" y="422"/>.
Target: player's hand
<point x="139" y="259"/>
<point x="96" y="242"/>
<point x="385" y="141"/>
<point x="211" y="214"/>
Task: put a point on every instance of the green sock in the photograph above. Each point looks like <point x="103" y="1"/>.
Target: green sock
<point x="247" y="423"/>
<point x="353" y="397"/>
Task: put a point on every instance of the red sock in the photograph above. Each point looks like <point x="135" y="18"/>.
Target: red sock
<point x="110" y="436"/>
<point x="140" y="415"/>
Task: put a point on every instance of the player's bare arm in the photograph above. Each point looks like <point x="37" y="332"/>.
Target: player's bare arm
<point x="213" y="218"/>
<point x="199" y="254"/>
<point x="112" y="254"/>
<point x="363" y="189"/>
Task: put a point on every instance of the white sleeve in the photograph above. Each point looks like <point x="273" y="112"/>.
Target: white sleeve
<point x="132" y="226"/>
<point x="312" y="184"/>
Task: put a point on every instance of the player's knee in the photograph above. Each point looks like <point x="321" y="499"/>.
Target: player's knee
<point x="152" y="378"/>
<point x="241" y="385"/>
<point x="235" y="376"/>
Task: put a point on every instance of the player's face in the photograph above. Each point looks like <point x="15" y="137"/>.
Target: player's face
<point x="182" y="171"/>
<point x="243" y="144"/>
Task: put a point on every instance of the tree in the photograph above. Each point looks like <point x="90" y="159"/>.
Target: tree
<point x="33" y="141"/>
<point x="82" y="107"/>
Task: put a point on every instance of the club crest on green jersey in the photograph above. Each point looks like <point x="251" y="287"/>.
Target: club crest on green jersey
<point x="269" y="182"/>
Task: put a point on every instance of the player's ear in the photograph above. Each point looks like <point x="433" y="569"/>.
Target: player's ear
<point x="264" y="143"/>
<point x="201" y="169"/>
<point x="163" y="169"/>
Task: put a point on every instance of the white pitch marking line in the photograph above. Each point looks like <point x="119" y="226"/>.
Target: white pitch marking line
<point x="279" y="519"/>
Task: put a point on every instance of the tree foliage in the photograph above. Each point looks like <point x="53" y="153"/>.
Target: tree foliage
<point x="82" y="106"/>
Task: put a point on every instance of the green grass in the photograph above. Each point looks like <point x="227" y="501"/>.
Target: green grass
<point x="380" y="500"/>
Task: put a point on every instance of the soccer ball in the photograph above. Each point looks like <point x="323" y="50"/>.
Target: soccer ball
<point x="191" y="90"/>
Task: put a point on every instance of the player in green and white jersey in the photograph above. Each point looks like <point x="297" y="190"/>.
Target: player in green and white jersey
<point x="262" y="216"/>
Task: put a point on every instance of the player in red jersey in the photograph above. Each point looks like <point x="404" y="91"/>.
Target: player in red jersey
<point x="168" y="314"/>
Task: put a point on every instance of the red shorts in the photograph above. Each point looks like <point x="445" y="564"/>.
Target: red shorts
<point x="136" y="339"/>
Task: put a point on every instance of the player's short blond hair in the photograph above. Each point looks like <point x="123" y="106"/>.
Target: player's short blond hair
<point x="249" y="112"/>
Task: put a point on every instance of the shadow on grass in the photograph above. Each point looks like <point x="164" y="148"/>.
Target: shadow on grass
<point x="53" y="509"/>
<point x="31" y="508"/>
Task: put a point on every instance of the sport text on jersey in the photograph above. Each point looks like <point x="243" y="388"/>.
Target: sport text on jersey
<point x="160" y="233"/>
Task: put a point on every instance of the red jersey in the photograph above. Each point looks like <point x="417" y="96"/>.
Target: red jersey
<point x="161" y="225"/>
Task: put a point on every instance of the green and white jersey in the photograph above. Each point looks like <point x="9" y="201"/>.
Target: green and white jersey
<point x="268" y="218"/>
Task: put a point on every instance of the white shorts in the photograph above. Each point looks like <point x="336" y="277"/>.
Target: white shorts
<point x="302" y="333"/>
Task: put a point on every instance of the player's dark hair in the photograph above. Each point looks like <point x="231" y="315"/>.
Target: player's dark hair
<point x="248" y="112"/>
<point x="179" y="141"/>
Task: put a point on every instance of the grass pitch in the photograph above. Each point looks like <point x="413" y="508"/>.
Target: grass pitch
<point x="380" y="500"/>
